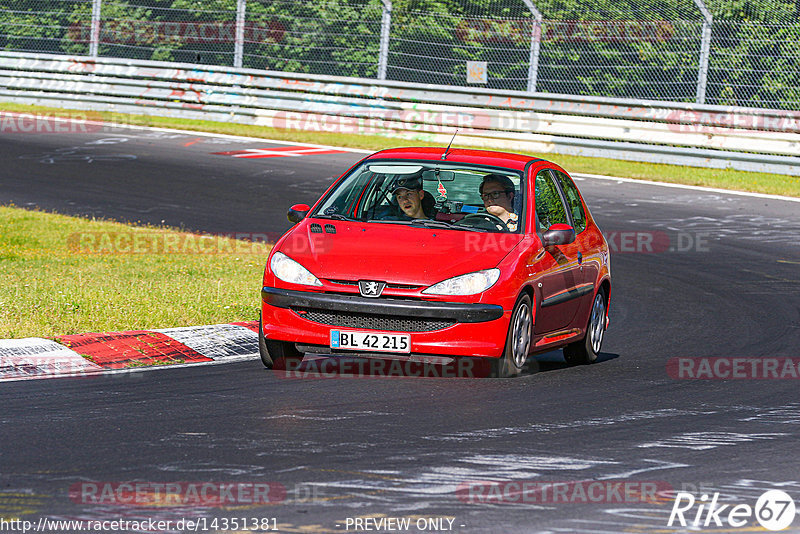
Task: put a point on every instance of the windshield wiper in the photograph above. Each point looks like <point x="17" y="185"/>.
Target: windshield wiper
<point x="388" y="221"/>
<point x="335" y="216"/>
<point x="429" y="223"/>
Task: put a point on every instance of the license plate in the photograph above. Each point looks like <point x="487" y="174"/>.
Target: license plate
<point x="370" y="341"/>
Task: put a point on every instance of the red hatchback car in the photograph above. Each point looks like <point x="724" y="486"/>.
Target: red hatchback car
<point x="420" y="252"/>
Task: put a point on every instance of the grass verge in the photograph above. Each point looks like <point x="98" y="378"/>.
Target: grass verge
<point x="64" y="275"/>
<point x="775" y="184"/>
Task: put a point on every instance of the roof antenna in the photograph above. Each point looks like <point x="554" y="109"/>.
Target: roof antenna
<point x="444" y="156"/>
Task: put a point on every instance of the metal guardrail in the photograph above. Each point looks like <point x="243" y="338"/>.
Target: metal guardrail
<point x="700" y="51"/>
<point x="684" y="134"/>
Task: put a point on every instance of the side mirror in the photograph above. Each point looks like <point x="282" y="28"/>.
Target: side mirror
<point x="297" y="213"/>
<point x="558" y="234"/>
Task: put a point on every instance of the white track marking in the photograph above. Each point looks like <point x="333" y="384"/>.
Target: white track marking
<point x="683" y="186"/>
<point x="32" y="358"/>
<point x="218" y="342"/>
<point x="361" y="151"/>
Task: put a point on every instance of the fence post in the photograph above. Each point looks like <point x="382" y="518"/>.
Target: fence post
<point x="386" y="23"/>
<point x="238" y="45"/>
<point x="705" y="49"/>
<point x="94" y="38"/>
<point x="536" y="41"/>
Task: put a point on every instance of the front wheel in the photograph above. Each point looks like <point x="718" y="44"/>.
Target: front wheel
<point x="586" y="350"/>
<point x="518" y="341"/>
<point x="277" y="354"/>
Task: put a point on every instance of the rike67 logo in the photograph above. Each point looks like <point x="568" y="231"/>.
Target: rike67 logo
<point x="774" y="510"/>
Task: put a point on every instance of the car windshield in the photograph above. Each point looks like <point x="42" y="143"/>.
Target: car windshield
<point x="429" y="194"/>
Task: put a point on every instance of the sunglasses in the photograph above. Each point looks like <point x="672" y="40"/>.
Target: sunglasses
<point x="493" y="195"/>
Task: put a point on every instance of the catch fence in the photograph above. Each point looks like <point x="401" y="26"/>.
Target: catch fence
<point x="719" y="52"/>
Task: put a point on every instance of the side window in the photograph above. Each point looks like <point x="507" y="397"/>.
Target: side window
<point x="549" y="207"/>
<point x="573" y="201"/>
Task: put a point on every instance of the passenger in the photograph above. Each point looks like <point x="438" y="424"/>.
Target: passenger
<point x="497" y="192"/>
<point x="409" y="195"/>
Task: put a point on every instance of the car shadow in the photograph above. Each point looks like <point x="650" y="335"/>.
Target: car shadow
<point x="554" y="361"/>
<point x="331" y="366"/>
<point x="318" y="366"/>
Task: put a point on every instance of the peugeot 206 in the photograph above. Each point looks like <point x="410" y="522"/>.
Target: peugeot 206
<point x="431" y="252"/>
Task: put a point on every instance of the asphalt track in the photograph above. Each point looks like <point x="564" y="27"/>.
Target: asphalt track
<point x="727" y="286"/>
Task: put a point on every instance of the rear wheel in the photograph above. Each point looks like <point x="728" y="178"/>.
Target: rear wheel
<point x="277" y="354"/>
<point x="586" y="350"/>
<point x="518" y="341"/>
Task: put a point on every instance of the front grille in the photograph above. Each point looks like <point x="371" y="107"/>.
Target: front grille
<point x="388" y="285"/>
<point x="372" y="321"/>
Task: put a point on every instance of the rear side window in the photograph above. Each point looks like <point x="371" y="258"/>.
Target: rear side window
<point x="549" y="207"/>
<point x="573" y="201"/>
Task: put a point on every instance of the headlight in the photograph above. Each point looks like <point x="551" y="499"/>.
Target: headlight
<point x="466" y="284"/>
<point x="288" y="270"/>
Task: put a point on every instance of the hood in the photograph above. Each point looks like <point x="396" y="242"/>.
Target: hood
<point x="393" y="252"/>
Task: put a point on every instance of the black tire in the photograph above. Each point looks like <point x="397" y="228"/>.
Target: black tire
<point x="277" y="354"/>
<point x="518" y="341"/>
<point x="585" y="351"/>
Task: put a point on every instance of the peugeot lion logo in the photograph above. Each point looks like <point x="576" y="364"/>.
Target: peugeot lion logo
<point x="370" y="288"/>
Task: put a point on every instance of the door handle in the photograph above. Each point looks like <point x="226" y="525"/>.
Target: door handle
<point x="580" y="258"/>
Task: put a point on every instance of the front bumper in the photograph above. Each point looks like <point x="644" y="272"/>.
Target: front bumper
<point x="454" y="311"/>
<point x="443" y="328"/>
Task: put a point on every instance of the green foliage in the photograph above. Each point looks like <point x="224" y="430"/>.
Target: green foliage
<point x="37" y="26"/>
<point x="617" y="48"/>
<point x="755" y="64"/>
<point x="334" y="37"/>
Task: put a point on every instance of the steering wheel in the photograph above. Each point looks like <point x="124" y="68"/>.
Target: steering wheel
<point x="483" y="220"/>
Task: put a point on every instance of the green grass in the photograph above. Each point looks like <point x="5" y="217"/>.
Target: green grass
<point x="775" y="184"/>
<point x="52" y="283"/>
<point x="155" y="363"/>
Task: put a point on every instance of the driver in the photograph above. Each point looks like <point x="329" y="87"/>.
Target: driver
<point x="497" y="192"/>
<point x="409" y="194"/>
